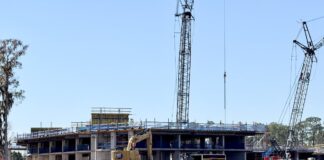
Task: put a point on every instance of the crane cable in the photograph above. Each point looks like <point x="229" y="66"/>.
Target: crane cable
<point x="292" y="87"/>
<point x="225" y="74"/>
<point x="175" y="32"/>
<point x="315" y="19"/>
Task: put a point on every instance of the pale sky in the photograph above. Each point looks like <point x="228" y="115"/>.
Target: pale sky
<point x="114" y="53"/>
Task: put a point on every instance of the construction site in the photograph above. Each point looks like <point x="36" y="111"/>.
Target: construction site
<point x="112" y="134"/>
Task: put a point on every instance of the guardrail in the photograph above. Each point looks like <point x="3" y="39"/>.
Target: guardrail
<point x="204" y="126"/>
<point x="68" y="148"/>
<point x="43" y="150"/>
<point x="56" y="149"/>
<point x="83" y="147"/>
<point x="259" y="128"/>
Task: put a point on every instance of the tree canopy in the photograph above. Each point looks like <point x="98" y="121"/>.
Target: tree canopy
<point x="310" y="132"/>
<point x="10" y="52"/>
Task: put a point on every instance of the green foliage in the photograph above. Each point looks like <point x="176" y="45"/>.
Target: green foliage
<point x="310" y="132"/>
<point x="16" y="156"/>
<point x="314" y="130"/>
<point x="278" y="131"/>
<point x="210" y="123"/>
<point x="10" y="52"/>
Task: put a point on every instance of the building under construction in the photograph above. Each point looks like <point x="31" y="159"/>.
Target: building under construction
<point x="110" y="129"/>
<point x="112" y="135"/>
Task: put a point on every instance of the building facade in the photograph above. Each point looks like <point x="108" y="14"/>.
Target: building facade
<point x="111" y="131"/>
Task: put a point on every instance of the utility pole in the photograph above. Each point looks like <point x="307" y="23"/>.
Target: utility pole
<point x="184" y="63"/>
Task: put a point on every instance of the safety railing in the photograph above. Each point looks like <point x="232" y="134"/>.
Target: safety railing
<point x="258" y="128"/>
<point x="103" y="145"/>
<point x="43" y="150"/>
<point x="68" y="148"/>
<point x="56" y="149"/>
<point x="83" y="147"/>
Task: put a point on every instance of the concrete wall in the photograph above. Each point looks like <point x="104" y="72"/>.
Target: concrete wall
<point x="102" y="155"/>
<point x="65" y="157"/>
<point x="43" y="157"/>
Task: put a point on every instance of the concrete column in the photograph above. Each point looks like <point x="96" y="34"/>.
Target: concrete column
<point x="38" y="147"/>
<point x="50" y="146"/>
<point x="78" y="156"/>
<point x="28" y="147"/>
<point x="179" y="141"/>
<point x="158" y="155"/>
<point x="63" y="143"/>
<point x="51" y="157"/>
<point x="176" y="155"/>
<point x="130" y="134"/>
<point x="113" y="139"/>
<point x="65" y="156"/>
<point x="34" y="157"/>
<point x="94" y="146"/>
<point x="223" y="143"/>
<point x="296" y="155"/>
<point x="77" y="142"/>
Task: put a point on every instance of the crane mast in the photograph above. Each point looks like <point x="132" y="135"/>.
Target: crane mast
<point x="302" y="88"/>
<point x="184" y="62"/>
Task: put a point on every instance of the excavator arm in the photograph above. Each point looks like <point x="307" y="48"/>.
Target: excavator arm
<point x="138" y="138"/>
<point x="130" y="153"/>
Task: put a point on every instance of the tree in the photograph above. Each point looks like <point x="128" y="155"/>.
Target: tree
<point x="313" y="128"/>
<point x="10" y="52"/>
<point x="210" y="123"/>
<point x="278" y="131"/>
<point x="16" y="156"/>
<point x="320" y="137"/>
<point x="302" y="133"/>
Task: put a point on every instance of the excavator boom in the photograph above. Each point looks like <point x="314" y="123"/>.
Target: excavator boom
<point x="130" y="153"/>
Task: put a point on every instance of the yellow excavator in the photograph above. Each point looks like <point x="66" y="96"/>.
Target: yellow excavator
<point x="130" y="153"/>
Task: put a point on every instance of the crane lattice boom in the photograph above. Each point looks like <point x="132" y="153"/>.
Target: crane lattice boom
<point x="184" y="63"/>
<point x="302" y="87"/>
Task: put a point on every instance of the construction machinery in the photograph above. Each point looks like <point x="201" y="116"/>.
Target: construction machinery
<point x="130" y="153"/>
<point x="184" y="64"/>
<point x="302" y="88"/>
<point x="275" y="152"/>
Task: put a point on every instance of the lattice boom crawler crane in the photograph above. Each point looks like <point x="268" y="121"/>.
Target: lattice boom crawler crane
<point x="184" y="64"/>
<point x="302" y="88"/>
